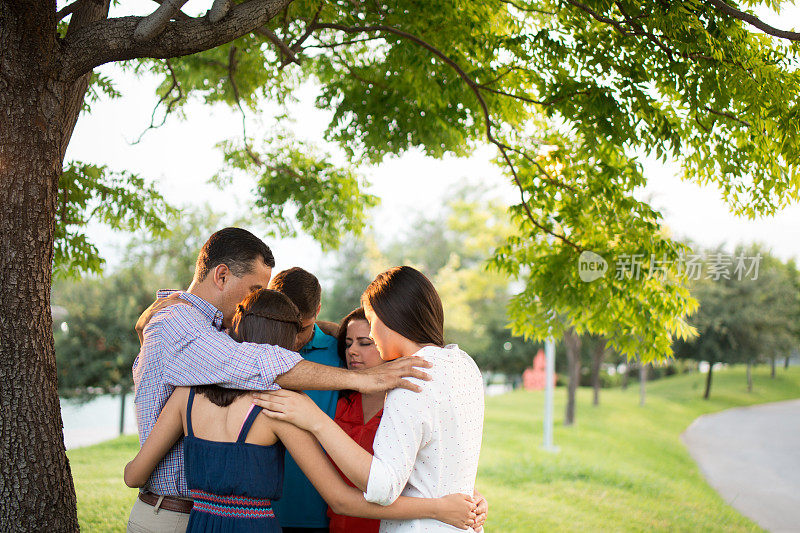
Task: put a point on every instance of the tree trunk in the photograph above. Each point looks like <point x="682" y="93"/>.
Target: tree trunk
<point x="122" y="412"/>
<point x="772" y="367"/>
<point x="749" y="376"/>
<point x="642" y="382"/>
<point x="597" y="361"/>
<point x="625" y="376"/>
<point x="39" y="114"/>
<point x="786" y="363"/>
<point x="572" y="342"/>
<point x="708" y="381"/>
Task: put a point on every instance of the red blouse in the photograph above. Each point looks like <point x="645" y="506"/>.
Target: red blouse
<point x="350" y="417"/>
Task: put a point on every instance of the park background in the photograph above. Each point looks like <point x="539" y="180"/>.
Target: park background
<point x="621" y="464"/>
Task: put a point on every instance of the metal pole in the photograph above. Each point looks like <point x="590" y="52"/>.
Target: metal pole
<point x="550" y="355"/>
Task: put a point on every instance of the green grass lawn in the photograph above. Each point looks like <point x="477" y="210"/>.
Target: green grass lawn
<point x="621" y="467"/>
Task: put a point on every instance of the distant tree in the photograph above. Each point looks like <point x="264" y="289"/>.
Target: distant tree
<point x="96" y="346"/>
<point x="598" y="354"/>
<point x="344" y="283"/>
<point x="572" y="344"/>
<point x="742" y="320"/>
<point x="451" y="247"/>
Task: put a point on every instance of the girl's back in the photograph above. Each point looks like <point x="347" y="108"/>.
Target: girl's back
<point x="231" y="474"/>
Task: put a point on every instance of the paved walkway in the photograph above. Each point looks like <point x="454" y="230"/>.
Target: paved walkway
<point x="751" y="456"/>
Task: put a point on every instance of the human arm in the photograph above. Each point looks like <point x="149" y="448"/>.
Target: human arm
<point x="402" y="432"/>
<point x="311" y="376"/>
<point x="158" y="305"/>
<point x="166" y="431"/>
<point x="455" y="509"/>
<point x="328" y="327"/>
<point x="196" y="353"/>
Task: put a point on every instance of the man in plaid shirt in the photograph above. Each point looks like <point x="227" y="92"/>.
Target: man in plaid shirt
<point x="186" y="345"/>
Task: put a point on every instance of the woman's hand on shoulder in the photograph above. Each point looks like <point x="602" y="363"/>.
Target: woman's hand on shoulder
<point x="293" y="407"/>
<point x="457" y="510"/>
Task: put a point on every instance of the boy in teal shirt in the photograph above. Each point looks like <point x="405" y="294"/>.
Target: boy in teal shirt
<point x="301" y="508"/>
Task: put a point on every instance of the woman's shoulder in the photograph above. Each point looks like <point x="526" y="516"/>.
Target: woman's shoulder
<point x="179" y="396"/>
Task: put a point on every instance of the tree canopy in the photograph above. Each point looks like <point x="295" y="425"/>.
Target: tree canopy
<point x="571" y="93"/>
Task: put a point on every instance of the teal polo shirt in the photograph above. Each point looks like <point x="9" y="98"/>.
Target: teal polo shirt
<point x="301" y="505"/>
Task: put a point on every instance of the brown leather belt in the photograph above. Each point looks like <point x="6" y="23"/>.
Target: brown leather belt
<point x="170" y="503"/>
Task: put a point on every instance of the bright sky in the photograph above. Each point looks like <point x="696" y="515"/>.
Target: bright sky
<point x="181" y="157"/>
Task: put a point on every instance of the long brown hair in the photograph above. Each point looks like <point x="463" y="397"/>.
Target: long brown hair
<point x="264" y="317"/>
<point x="406" y="301"/>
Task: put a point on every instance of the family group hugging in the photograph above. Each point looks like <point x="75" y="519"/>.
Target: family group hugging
<point x="382" y="421"/>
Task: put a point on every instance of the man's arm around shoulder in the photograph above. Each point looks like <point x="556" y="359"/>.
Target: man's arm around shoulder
<point x="306" y="375"/>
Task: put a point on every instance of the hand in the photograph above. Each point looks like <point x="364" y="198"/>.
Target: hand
<point x="457" y="510"/>
<point x="293" y="407"/>
<point x="155" y="307"/>
<point x="390" y="375"/>
<point x="481" y="510"/>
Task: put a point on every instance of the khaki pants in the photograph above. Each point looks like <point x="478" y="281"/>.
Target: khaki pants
<point x="147" y="519"/>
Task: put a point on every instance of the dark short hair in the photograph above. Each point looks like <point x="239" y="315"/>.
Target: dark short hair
<point x="341" y="335"/>
<point x="406" y="301"/>
<point x="301" y="286"/>
<point x="235" y="247"/>
<point x="264" y="317"/>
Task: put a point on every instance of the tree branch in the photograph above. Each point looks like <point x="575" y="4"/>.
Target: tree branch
<point x="65" y="11"/>
<point x="180" y="15"/>
<point x="280" y="44"/>
<point x="154" y="23"/>
<point x="527" y="8"/>
<point x="218" y="10"/>
<point x="754" y="21"/>
<point x="727" y="115"/>
<point x="172" y="102"/>
<point x="342" y="43"/>
<point x="232" y="64"/>
<point x="112" y="39"/>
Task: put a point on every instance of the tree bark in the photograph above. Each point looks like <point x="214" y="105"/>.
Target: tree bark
<point x="572" y="342"/>
<point x="40" y="111"/>
<point x="772" y="367"/>
<point x="749" y="375"/>
<point x="786" y="363"/>
<point x="642" y="382"/>
<point x="626" y="375"/>
<point x="597" y="361"/>
<point x="708" y="381"/>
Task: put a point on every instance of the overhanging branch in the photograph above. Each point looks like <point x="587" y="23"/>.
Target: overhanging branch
<point x="754" y="21"/>
<point x="112" y="39"/>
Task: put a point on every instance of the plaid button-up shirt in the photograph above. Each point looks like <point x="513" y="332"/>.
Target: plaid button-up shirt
<point x="184" y="346"/>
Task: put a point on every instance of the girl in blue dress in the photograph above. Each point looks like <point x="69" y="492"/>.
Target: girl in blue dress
<point x="234" y="458"/>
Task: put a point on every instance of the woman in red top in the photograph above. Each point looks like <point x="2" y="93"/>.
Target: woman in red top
<point x="357" y="414"/>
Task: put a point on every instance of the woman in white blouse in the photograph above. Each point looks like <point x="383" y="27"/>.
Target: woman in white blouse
<point x="428" y="442"/>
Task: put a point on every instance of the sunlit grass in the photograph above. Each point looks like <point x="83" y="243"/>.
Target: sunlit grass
<point x="621" y="467"/>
